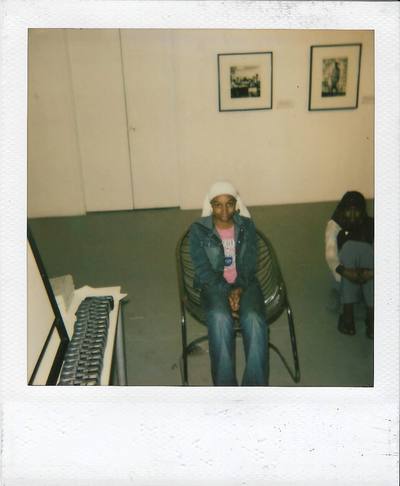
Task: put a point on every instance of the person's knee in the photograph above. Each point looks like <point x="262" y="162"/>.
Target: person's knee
<point x="253" y="321"/>
<point x="348" y="254"/>
<point x="214" y="303"/>
<point x="219" y="314"/>
<point x="251" y="316"/>
<point x="220" y="328"/>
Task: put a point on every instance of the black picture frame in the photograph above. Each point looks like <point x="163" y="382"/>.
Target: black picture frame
<point x="245" y="81"/>
<point x="334" y="77"/>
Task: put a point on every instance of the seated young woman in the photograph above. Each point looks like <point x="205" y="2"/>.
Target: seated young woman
<point x="223" y="249"/>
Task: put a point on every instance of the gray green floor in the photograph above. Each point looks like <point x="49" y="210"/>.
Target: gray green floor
<point x="136" y="250"/>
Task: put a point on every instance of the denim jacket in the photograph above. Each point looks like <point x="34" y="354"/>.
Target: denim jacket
<point x="207" y="254"/>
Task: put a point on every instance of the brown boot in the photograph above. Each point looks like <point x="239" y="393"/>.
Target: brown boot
<point x="346" y="327"/>
<point x="346" y="320"/>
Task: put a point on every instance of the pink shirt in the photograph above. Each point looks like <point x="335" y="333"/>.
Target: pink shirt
<point x="228" y="241"/>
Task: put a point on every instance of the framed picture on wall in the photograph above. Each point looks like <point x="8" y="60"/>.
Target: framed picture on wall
<point x="245" y="81"/>
<point x="334" y="77"/>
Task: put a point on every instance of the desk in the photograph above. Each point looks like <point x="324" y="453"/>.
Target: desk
<point x="115" y="348"/>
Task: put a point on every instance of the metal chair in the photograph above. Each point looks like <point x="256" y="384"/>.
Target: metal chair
<point x="273" y="288"/>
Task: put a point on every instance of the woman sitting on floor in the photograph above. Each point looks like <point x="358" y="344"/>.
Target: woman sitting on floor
<point x="349" y="251"/>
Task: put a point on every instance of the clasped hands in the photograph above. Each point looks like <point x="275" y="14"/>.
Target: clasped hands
<point x="358" y="275"/>
<point x="234" y="301"/>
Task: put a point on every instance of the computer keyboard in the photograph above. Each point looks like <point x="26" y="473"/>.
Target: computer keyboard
<point x="84" y="356"/>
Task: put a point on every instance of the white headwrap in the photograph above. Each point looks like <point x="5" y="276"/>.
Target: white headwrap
<point x="219" y="188"/>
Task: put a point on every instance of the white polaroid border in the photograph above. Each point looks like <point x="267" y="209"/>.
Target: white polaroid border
<point x="157" y="436"/>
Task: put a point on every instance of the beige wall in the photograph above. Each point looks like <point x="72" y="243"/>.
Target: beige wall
<point x="83" y="155"/>
<point x="55" y="184"/>
<point x="99" y="101"/>
<point x="284" y="155"/>
<point x="150" y="101"/>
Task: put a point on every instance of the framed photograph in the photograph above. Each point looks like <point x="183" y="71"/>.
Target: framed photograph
<point x="245" y="81"/>
<point x="334" y="77"/>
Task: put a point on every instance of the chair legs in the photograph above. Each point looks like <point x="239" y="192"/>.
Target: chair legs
<point x="295" y="375"/>
<point x="183" y="360"/>
<point x="192" y="349"/>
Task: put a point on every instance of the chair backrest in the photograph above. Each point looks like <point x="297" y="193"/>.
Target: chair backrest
<point x="267" y="271"/>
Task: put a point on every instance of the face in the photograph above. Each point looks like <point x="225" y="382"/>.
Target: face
<point x="223" y="208"/>
<point x="353" y="216"/>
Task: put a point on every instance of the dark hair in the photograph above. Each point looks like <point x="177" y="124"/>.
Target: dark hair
<point x="350" y="199"/>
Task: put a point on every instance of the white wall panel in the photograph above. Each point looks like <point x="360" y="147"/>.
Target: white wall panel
<point x="149" y="84"/>
<point x="54" y="176"/>
<point x="101" y="118"/>
<point x="279" y="156"/>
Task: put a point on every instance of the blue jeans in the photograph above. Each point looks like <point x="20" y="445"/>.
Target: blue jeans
<point x="355" y="254"/>
<point x="221" y="336"/>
